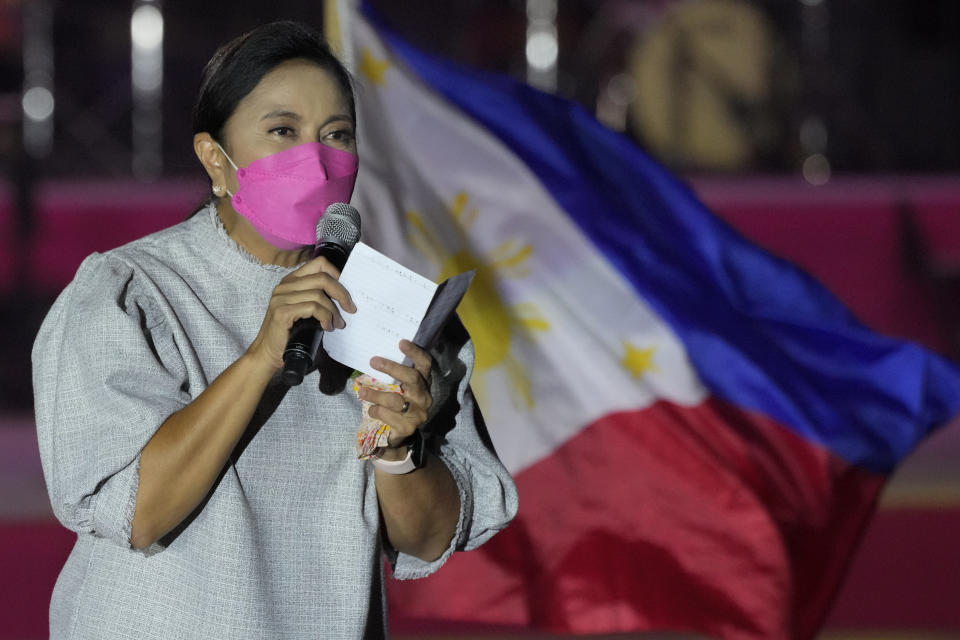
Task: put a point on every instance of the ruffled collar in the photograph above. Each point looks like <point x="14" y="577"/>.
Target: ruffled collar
<point x="232" y="248"/>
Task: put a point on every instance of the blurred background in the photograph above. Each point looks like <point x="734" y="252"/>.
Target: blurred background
<point x="826" y="130"/>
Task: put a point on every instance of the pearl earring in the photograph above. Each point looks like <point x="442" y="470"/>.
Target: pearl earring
<point x="218" y="190"/>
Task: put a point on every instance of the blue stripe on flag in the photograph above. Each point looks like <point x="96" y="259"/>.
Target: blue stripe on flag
<point x="761" y="334"/>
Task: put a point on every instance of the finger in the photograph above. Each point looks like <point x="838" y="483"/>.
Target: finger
<point x="415" y="388"/>
<point x="305" y="281"/>
<point x="421" y="359"/>
<point x="387" y="399"/>
<point x="414" y="394"/>
<point x="408" y="377"/>
<point x="287" y="299"/>
<point x="315" y="266"/>
<point x="401" y="425"/>
<point x="338" y="292"/>
<point x="320" y="264"/>
<point x="318" y="282"/>
<point x="322" y="305"/>
<point x="326" y="315"/>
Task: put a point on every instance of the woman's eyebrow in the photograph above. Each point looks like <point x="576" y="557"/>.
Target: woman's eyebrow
<point x="335" y="117"/>
<point x="284" y="113"/>
<point x="281" y="113"/>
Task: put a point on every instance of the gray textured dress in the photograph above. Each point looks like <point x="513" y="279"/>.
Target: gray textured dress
<point x="287" y="545"/>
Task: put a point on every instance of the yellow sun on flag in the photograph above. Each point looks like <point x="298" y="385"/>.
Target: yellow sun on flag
<point x="491" y="322"/>
<point x="638" y="361"/>
<point x="372" y="68"/>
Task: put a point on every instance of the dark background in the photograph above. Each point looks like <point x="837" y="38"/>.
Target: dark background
<point x="883" y="78"/>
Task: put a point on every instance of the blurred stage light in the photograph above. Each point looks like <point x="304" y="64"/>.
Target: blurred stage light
<point x="542" y="50"/>
<point x="38" y="104"/>
<point x="614" y="101"/>
<point x="816" y="169"/>
<point x="146" y="27"/>
<point x="37" y="101"/>
<point x="146" y="57"/>
<point x="146" y="36"/>
<point x="542" y="47"/>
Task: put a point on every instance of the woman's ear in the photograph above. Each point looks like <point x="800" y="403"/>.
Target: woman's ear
<point x="210" y="157"/>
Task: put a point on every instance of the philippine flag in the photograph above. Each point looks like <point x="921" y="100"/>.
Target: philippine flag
<point x="697" y="429"/>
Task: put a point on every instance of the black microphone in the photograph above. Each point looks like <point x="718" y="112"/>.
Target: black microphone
<point x="337" y="232"/>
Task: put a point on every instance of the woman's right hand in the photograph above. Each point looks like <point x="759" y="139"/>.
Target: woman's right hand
<point x="307" y="292"/>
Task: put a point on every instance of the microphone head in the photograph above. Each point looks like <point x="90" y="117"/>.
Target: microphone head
<point x="340" y="225"/>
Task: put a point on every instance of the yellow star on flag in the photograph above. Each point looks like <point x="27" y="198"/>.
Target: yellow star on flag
<point x="372" y="68"/>
<point x="638" y="361"/>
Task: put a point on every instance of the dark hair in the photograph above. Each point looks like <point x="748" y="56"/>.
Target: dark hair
<point x="238" y="66"/>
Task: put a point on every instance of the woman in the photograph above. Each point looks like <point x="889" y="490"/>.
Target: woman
<point x="210" y="500"/>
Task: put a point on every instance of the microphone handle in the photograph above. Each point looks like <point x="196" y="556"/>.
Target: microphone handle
<point x="306" y="334"/>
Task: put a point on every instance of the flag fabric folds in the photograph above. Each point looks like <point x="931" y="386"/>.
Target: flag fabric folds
<point x="698" y="430"/>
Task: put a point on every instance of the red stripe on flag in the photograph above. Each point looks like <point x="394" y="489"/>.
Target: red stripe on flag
<point x="705" y="518"/>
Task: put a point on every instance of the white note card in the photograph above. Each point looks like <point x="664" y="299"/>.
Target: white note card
<point x="392" y="303"/>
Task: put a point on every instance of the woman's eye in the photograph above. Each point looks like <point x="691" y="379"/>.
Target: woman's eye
<point x="282" y="131"/>
<point x="340" y="135"/>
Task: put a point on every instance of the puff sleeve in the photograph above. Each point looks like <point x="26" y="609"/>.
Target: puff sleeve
<point x="106" y="374"/>
<point x="488" y="496"/>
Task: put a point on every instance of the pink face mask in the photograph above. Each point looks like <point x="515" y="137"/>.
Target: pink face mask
<point x="284" y="195"/>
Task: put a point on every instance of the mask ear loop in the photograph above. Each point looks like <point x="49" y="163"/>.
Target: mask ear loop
<point x="232" y="163"/>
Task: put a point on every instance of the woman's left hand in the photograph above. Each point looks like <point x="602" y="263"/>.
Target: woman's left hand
<point x="420" y="510"/>
<point x="406" y="411"/>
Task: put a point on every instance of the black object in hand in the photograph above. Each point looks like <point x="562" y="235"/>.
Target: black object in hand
<point x="337" y="232"/>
